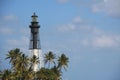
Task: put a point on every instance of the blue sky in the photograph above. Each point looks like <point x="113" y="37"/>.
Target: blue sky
<point x="87" y="31"/>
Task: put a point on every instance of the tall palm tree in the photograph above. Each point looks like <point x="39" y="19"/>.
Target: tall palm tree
<point x="34" y="60"/>
<point x="29" y="74"/>
<point x="19" y="62"/>
<point x="6" y="75"/>
<point x="46" y="74"/>
<point x="0" y="74"/>
<point x="63" y="62"/>
<point x="57" y="72"/>
<point x="13" y="55"/>
<point x="22" y="65"/>
<point x="49" y="58"/>
<point x="22" y="62"/>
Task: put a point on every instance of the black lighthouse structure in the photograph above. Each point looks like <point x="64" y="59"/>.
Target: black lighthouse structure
<point x="34" y="47"/>
<point x="34" y="41"/>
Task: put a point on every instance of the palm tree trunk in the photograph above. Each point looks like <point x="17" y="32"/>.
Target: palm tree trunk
<point x="49" y="65"/>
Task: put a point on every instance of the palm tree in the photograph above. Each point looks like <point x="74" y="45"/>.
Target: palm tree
<point x="6" y="75"/>
<point x="33" y="61"/>
<point x="0" y="75"/>
<point x="63" y="62"/>
<point x="49" y="58"/>
<point x="29" y="74"/>
<point x="57" y="72"/>
<point x="22" y="62"/>
<point x="13" y="55"/>
<point x="19" y="62"/>
<point x="46" y="74"/>
<point x="22" y="65"/>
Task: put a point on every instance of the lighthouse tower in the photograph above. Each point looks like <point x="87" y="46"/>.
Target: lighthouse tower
<point x="34" y="47"/>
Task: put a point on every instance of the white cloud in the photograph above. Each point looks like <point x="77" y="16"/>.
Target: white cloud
<point x="21" y="43"/>
<point x="72" y="25"/>
<point x="102" y="41"/>
<point x="8" y="20"/>
<point x="6" y="31"/>
<point x="85" y="42"/>
<point x="18" y="42"/>
<point x="105" y="41"/>
<point x="98" y="7"/>
<point x="6" y="25"/>
<point x="93" y="36"/>
<point x="10" y="17"/>
<point x="77" y="19"/>
<point x="62" y="1"/>
<point x="78" y="24"/>
<point x="110" y="7"/>
<point x="68" y="27"/>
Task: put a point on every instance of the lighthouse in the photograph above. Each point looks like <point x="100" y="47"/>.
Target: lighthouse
<point x="34" y="46"/>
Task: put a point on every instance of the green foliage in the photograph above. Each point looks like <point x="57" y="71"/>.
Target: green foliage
<point x="46" y="74"/>
<point x="49" y="58"/>
<point x="22" y="66"/>
<point x="63" y="61"/>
